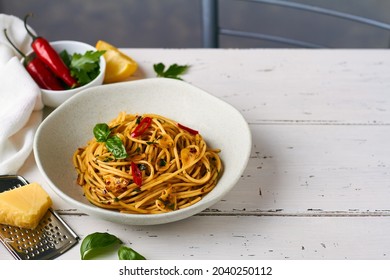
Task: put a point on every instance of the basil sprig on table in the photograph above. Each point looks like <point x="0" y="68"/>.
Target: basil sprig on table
<point x="99" y="242"/>
<point x="95" y="243"/>
<point x="114" y="144"/>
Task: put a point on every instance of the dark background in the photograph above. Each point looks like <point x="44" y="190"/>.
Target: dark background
<point x="177" y="23"/>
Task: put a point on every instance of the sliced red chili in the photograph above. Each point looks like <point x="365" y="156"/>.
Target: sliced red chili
<point x="137" y="174"/>
<point x="142" y="127"/>
<point x="190" y="130"/>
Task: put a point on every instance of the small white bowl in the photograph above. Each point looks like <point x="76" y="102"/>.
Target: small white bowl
<point x="54" y="98"/>
<point x="70" y="126"/>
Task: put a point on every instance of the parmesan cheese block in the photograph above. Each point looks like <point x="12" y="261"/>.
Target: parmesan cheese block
<point x="24" y="206"/>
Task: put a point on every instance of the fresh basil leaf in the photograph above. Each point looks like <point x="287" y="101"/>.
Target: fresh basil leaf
<point x="94" y="243"/>
<point x="115" y="145"/>
<point x="126" y="253"/>
<point x="101" y="131"/>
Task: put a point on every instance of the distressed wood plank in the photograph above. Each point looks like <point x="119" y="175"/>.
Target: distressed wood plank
<point x="342" y="86"/>
<point x="295" y="169"/>
<point x="249" y="238"/>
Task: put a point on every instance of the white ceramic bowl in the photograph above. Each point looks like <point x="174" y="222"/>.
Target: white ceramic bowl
<point x="54" y="98"/>
<point x="70" y="126"/>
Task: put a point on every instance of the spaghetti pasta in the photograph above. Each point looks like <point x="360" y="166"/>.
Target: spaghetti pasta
<point x="167" y="166"/>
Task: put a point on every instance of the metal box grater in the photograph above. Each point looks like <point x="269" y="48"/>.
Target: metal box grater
<point x="48" y="240"/>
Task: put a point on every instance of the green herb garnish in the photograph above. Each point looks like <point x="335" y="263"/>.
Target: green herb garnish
<point x="96" y="243"/>
<point x="83" y="67"/>
<point x="101" y="132"/>
<point x="102" y="242"/>
<point x="142" y="166"/>
<point x="173" y="71"/>
<point x="162" y="162"/>
<point x="114" y="144"/>
<point x="126" y="253"/>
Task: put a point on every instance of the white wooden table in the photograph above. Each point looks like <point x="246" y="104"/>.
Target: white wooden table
<point x="317" y="185"/>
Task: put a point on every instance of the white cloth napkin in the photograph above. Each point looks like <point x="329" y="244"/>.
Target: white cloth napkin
<point x="20" y="98"/>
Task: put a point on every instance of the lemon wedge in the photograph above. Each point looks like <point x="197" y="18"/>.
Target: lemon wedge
<point x="119" y="66"/>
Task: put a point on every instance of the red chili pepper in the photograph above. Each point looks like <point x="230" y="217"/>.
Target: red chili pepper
<point x="50" y="57"/>
<point x="190" y="130"/>
<point x="38" y="70"/>
<point x="137" y="174"/>
<point x="142" y="127"/>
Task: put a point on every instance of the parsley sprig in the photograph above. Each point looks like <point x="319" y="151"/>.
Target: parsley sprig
<point x="173" y="71"/>
<point x="83" y="67"/>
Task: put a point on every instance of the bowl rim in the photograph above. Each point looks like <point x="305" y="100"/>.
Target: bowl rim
<point x="142" y="219"/>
